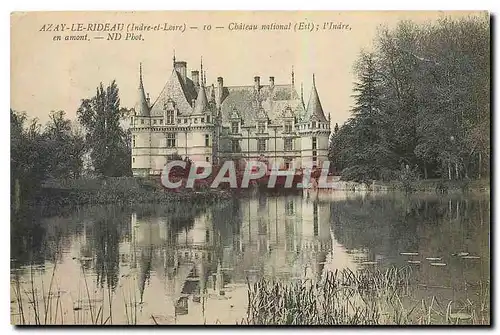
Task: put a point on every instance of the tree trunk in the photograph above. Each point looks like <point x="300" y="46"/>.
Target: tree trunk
<point x="479" y="166"/>
<point x="456" y="170"/>
<point x="449" y="171"/>
<point x="17" y="195"/>
<point x="425" y="171"/>
<point x="481" y="212"/>
<point x="449" y="210"/>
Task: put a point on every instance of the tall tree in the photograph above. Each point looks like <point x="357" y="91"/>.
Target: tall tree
<point x="68" y="143"/>
<point x="433" y="116"/>
<point x="108" y="143"/>
<point x="368" y="155"/>
<point x="29" y="157"/>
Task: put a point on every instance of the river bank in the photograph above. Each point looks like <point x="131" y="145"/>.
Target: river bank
<point x="59" y="194"/>
<point x="423" y="185"/>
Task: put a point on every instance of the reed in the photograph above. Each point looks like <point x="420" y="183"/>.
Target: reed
<point x="368" y="297"/>
<point x="374" y="297"/>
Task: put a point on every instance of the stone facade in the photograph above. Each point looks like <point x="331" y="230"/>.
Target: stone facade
<point x="216" y="123"/>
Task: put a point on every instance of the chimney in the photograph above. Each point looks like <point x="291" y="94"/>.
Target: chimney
<point x="220" y="88"/>
<point x="271" y="82"/>
<point x="181" y="68"/>
<point x="256" y="83"/>
<point x="195" y="77"/>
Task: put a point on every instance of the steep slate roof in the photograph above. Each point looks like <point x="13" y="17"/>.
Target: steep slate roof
<point x="181" y="93"/>
<point x="248" y="102"/>
<point x="244" y="99"/>
<point x="141" y="107"/>
<point x="201" y="104"/>
<point x="314" y="108"/>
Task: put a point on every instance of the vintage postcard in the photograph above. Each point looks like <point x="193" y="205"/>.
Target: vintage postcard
<point x="250" y="168"/>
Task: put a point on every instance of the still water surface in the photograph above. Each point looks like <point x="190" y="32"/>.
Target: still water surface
<point x="189" y="263"/>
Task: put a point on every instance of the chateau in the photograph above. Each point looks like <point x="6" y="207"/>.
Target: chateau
<point x="215" y="123"/>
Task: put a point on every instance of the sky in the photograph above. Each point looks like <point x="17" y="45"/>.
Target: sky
<point x="55" y="75"/>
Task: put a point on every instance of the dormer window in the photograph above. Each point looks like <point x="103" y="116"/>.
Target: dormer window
<point x="235" y="127"/>
<point x="170" y="117"/>
<point x="261" y="127"/>
<point x="208" y="118"/>
<point x="169" y="104"/>
<point x="235" y="121"/>
<point x="288" y="127"/>
<point x="313" y="124"/>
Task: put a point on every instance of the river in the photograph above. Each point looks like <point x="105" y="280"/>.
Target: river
<point x="189" y="263"/>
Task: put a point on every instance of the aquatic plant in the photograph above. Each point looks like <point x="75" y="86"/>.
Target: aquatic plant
<point x="370" y="297"/>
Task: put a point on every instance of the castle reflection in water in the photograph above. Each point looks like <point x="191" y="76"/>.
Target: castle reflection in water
<point x="286" y="238"/>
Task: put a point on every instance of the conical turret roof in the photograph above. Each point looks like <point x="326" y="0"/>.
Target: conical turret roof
<point x="201" y="104"/>
<point x="141" y="106"/>
<point x="314" y="108"/>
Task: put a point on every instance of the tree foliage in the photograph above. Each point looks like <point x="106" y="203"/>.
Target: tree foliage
<point x="422" y="99"/>
<point x="108" y="143"/>
<point x="39" y="153"/>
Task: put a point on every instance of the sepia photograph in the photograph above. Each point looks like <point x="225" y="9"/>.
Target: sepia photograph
<point x="247" y="168"/>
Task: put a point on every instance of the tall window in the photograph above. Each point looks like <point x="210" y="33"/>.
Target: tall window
<point x="170" y="117"/>
<point x="235" y="127"/>
<point x="288" y="127"/>
<point x="235" y="146"/>
<point x="313" y="124"/>
<point x="314" y="143"/>
<point x="207" y="140"/>
<point x="288" y="144"/>
<point x="208" y="118"/>
<point x="142" y="121"/>
<point x="262" y="226"/>
<point x="261" y="144"/>
<point x="289" y="208"/>
<point x="171" y="140"/>
<point x="261" y="127"/>
<point x="133" y="141"/>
